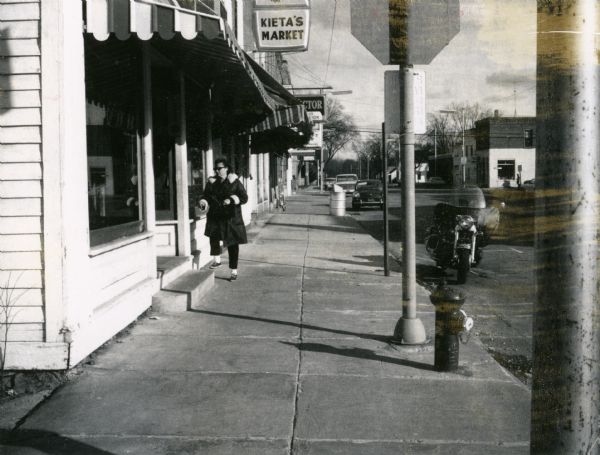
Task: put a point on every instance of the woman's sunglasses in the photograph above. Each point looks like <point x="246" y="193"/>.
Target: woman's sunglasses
<point x="217" y="168"/>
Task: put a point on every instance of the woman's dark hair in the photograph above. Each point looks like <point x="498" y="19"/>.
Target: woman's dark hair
<point x="226" y="164"/>
<point x="223" y="161"/>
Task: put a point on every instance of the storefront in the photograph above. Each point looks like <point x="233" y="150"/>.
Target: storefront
<point x="132" y="112"/>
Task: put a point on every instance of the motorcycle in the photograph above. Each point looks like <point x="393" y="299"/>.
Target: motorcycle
<point x="460" y="230"/>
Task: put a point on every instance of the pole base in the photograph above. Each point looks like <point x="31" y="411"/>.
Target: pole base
<point x="409" y="331"/>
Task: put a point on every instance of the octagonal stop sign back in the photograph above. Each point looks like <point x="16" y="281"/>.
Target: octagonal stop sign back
<point x="401" y="32"/>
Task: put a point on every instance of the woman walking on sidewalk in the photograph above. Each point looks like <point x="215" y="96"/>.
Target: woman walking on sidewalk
<point x="223" y="197"/>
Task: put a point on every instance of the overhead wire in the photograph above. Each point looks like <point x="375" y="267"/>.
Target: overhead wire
<point x="331" y="39"/>
<point x="307" y="70"/>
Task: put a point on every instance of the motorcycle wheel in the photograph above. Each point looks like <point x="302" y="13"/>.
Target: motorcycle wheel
<point x="464" y="266"/>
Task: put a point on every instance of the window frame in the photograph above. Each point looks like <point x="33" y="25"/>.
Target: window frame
<point x="501" y="164"/>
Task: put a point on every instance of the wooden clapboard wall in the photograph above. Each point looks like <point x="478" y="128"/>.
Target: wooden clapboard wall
<point x="20" y="165"/>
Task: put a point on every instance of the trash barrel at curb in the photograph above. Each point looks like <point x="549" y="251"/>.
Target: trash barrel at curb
<point x="337" y="201"/>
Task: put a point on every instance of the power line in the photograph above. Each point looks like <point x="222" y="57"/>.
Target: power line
<point x="311" y="76"/>
<point x="308" y="70"/>
<point x="331" y="39"/>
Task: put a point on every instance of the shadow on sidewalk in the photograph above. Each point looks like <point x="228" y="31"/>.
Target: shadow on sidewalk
<point x="46" y="442"/>
<point x="358" y="353"/>
<point x="349" y="229"/>
<point x="349" y="272"/>
<point x="366" y="336"/>
<point x="371" y="261"/>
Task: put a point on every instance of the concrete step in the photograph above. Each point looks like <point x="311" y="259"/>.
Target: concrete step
<point x="171" y="268"/>
<point x="184" y="293"/>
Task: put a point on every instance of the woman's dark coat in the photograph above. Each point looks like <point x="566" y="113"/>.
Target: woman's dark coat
<point x="225" y="221"/>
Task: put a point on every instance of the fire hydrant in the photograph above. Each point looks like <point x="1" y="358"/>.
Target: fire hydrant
<point x="450" y="322"/>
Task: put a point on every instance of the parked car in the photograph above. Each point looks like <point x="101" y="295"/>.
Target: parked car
<point x="368" y="193"/>
<point x="436" y="181"/>
<point x="329" y="181"/>
<point x="347" y="181"/>
<point x="528" y="184"/>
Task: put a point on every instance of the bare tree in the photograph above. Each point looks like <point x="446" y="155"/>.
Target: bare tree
<point x="339" y="130"/>
<point x="8" y="313"/>
<point x="444" y="130"/>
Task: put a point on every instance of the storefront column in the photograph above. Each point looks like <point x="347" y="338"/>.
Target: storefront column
<point x="148" y="177"/>
<point x="261" y="177"/>
<point x="181" y="177"/>
<point x="252" y="182"/>
<point x="74" y="179"/>
<point x="267" y="179"/>
<point x="288" y="177"/>
<point x="307" y="174"/>
<point x="208" y="153"/>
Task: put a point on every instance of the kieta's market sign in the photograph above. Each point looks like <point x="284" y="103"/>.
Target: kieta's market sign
<point x="281" y="25"/>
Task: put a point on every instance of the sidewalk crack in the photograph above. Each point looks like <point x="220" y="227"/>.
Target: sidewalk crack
<point x="300" y="340"/>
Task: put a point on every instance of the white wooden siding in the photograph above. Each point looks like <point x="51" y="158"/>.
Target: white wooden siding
<point x="20" y="242"/>
<point x="20" y="82"/>
<point x="21" y="29"/>
<point x="19" y="98"/>
<point x="20" y="225"/>
<point x="29" y="297"/>
<point x="27" y="279"/>
<point x="20" y="166"/>
<point x="20" y="153"/>
<point x="21" y="207"/>
<point x="23" y="188"/>
<point x="24" y="332"/>
<point x="21" y="12"/>
<point x="21" y="47"/>
<point x="20" y="65"/>
<point x="24" y="116"/>
<point x="20" y="171"/>
<point x="21" y="260"/>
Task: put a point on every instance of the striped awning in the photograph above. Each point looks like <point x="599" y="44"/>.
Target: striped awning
<point x="285" y="117"/>
<point x="147" y="19"/>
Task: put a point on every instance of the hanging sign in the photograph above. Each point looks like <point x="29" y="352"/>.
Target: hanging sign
<point x="313" y="103"/>
<point x="281" y="25"/>
<point x="316" y="140"/>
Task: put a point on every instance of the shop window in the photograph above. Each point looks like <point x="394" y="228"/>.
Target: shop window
<point x="114" y="192"/>
<point x="528" y="138"/>
<point x="506" y="169"/>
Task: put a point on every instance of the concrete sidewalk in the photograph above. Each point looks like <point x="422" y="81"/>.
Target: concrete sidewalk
<point x="291" y="358"/>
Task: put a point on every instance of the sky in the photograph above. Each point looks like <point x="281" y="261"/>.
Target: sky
<point x="490" y="60"/>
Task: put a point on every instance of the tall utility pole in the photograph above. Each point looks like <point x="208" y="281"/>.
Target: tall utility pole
<point x="435" y="151"/>
<point x="386" y="225"/>
<point x="409" y="329"/>
<point x="566" y="341"/>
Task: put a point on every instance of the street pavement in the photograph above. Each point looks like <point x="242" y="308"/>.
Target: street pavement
<point x="499" y="292"/>
<point x="292" y="358"/>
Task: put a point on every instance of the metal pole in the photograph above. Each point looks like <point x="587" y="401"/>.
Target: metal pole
<point x="409" y="329"/>
<point x="463" y="159"/>
<point x="566" y="343"/>
<point x="435" y="151"/>
<point x="386" y="227"/>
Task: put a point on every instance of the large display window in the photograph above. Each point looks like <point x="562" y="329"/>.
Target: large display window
<point x="114" y="180"/>
<point x="113" y="106"/>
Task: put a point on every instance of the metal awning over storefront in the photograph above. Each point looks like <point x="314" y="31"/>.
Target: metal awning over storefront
<point x="291" y="112"/>
<point x="288" y="116"/>
<point x="202" y="44"/>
